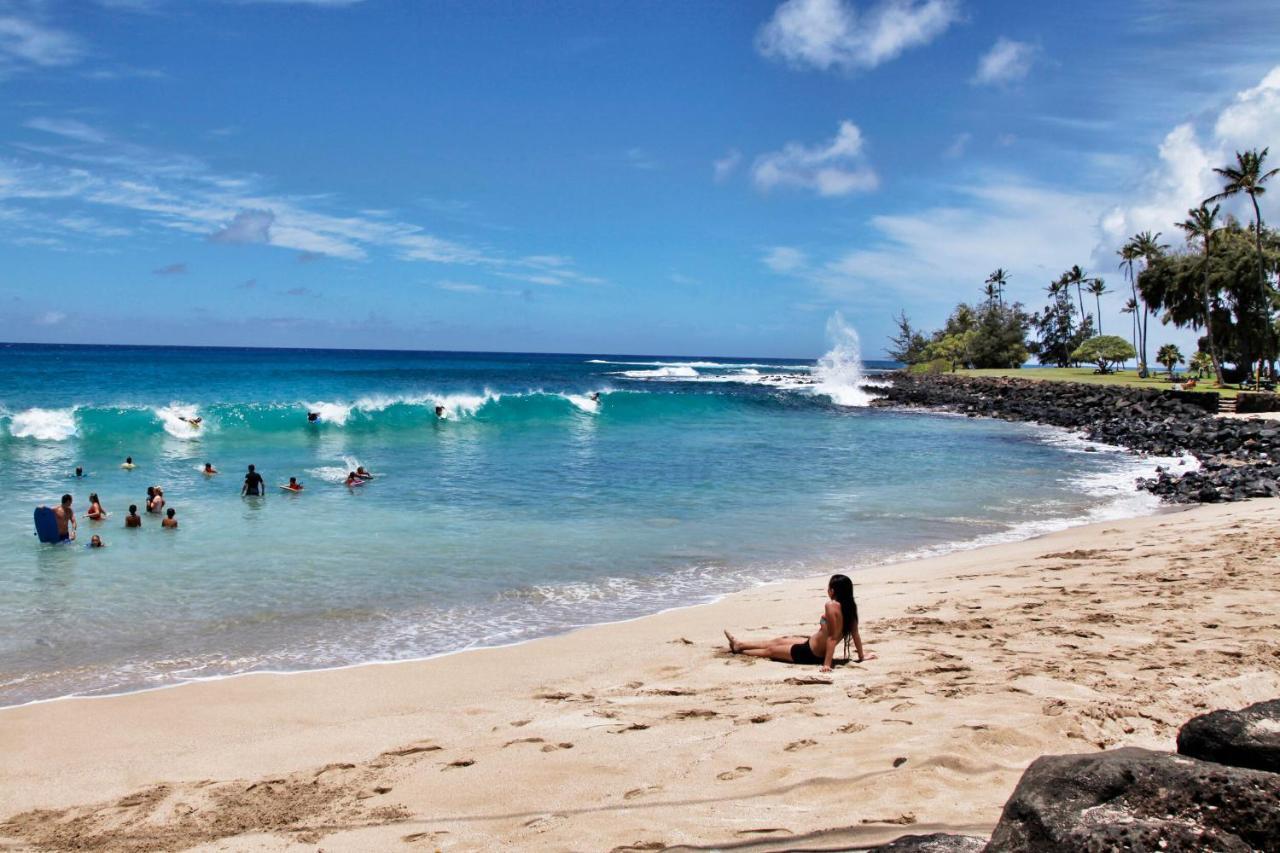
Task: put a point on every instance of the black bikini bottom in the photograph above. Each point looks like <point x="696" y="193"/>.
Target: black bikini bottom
<point x="801" y="653"/>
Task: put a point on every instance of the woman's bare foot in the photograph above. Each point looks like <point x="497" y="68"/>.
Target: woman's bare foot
<point x="733" y="644"/>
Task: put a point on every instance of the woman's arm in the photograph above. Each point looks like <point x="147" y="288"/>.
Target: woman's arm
<point x="857" y="644"/>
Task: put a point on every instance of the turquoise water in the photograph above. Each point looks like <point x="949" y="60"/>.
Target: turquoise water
<point x="528" y="510"/>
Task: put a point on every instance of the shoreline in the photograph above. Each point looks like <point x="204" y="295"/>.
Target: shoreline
<point x="1014" y="534"/>
<point x="639" y="731"/>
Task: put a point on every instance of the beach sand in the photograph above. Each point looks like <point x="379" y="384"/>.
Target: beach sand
<point x="649" y="734"/>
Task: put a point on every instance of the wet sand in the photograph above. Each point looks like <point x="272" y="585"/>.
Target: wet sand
<point x="649" y="734"/>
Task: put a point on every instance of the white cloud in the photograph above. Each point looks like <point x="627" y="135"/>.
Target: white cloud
<point x="88" y="166"/>
<point x="248" y="226"/>
<point x="833" y="168"/>
<point x="25" y="43"/>
<point x="50" y="318"/>
<point x="1183" y="175"/>
<point x="1007" y="61"/>
<point x="830" y="34"/>
<point x="726" y="165"/>
<point x="785" y="259"/>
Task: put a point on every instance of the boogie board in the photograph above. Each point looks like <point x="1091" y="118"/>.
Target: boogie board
<point x="47" y="526"/>
<point x="287" y="489"/>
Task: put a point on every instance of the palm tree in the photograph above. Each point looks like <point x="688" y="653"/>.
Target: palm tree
<point x="1248" y="177"/>
<point x="1145" y="246"/>
<point x="1169" y="355"/>
<point x="990" y="291"/>
<point x="1201" y="224"/>
<point x="999" y="279"/>
<point x="1131" y="307"/>
<point x="1076" y="276"/>
<point x="1098" y="287"/>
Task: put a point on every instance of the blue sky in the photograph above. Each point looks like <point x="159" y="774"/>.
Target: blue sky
<point x="659" y="177"/>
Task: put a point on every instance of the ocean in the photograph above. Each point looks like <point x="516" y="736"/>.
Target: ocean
<point x="529" y="509"/>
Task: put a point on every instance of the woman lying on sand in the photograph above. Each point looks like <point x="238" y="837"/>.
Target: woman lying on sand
<point x="839" y="621"/>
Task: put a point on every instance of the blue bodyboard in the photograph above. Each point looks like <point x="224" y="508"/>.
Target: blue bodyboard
<point x="47" y="526"/>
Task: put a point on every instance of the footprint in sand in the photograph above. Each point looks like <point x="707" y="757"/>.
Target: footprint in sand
<point x="800" y="744"/>
<point x="634" y="727"/>
<point x="641" y="792"/>
<point x="693" y="714"/>
<point x="735" y="773"/>
<point x="461" y="762"/>
<point x="851" y="728"/>
<point x="522" y="740"/>
<point x="412" y="749"/>
<point x="423" y="836"/>
<point x="556" y="747"/>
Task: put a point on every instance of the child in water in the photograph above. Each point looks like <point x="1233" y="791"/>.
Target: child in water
<point x="96" y="542"/>
<point x="133" y="519"/>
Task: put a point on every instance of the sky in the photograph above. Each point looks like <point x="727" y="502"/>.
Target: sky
<point x="666" y="177"/>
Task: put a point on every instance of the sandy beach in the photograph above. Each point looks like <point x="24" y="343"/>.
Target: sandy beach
<point x="649" y="734"/>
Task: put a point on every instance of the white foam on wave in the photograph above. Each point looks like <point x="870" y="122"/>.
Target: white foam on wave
<point x="673" y="372"/>
<point x="171" y="417"/>
<point x="335" y="473"/>
<point x="330" y="413"/>
<point x="839" y="372"/>
<point x="583" y="402"/>
<point x="705" y="365"/>
<point x="44" y="424"/>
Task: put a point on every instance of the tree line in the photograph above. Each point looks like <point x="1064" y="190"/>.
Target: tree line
<point x="1221" y="280"/>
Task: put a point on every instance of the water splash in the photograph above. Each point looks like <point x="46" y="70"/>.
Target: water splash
<point x="839" y="372"/>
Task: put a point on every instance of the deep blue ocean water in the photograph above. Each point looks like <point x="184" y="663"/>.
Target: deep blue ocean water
<point x="528" y="509"/>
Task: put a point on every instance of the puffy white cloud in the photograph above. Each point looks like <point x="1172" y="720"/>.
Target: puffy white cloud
<point x="833" y="168"/>
<point x="1183" y="174"/>
<point x="1006" y="62"/>
<point x="830" y="34"/>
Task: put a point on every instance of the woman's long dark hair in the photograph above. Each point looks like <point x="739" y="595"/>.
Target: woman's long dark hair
<point x="842" y="590"/>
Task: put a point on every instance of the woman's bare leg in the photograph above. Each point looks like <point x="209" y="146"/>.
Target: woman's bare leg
<point x="736" y="646"/>
<point x="776" y="651"/>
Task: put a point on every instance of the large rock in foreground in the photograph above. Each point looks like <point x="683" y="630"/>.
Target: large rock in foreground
<point x="1245" y="738"/>
<point x="1138" y="800"/>
<point x="939" y="842"/>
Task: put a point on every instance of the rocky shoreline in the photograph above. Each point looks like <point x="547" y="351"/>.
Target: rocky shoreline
<point x="1239" y="459"/>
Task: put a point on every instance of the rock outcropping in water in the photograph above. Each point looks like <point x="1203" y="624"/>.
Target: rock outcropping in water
<point x="1239" y="459"/>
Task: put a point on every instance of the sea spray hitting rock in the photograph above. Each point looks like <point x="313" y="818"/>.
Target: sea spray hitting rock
<point x="839" y="372"/>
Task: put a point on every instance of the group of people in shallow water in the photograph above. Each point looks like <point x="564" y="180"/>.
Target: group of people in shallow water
<point x="254" y="486"/>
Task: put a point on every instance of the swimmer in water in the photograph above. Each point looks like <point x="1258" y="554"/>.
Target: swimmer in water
<point x="439" y="411"/>
<point x="294" y="485"/>
<point x="253" y="485"/>
<point x="195" y="422"/>
<point x="133" y="519"/>
<point x="96" y="542"/>
<point x="209" y="470"/>
<point x="169" y="523"/>
<point x="96" y="512"/>
<point x="155" y="500"/>
<point x="79" y="472"/>
<point x="595" y="396"/>
<point x="363" y="474"/>
<point x="66" y="517"/>
<point x="128" y="464"/>
<point x="353" y="479"/>
<point x="312" y="417"/>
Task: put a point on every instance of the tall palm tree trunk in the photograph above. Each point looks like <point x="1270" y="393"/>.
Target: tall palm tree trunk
<point x="1097" y="298"/>
<point x="1268" y="334"/>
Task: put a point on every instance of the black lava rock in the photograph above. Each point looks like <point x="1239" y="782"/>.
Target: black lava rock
<point x="1240" y="459"/>
<point x="938" y="842"/>
<point x="1139" y="800"/>
<point x="1246" y="738"/>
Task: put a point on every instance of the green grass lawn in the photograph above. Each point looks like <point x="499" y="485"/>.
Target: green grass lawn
<point x="1156" y="381"/>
